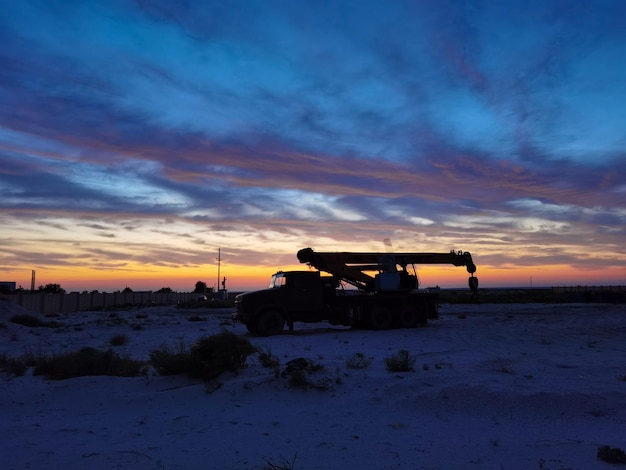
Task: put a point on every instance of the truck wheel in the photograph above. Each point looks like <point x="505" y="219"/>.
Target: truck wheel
<point x="380" y="318"/>
<point x="407" y="317"/>
<point x="269" y="323"/>
<point x="251" y="326"/>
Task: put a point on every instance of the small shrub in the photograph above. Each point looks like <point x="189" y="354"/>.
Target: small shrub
<point x="118" y="340"/>
<point x="402" y="361"/>
<point x="267" y="359"/>
<point x="358" y="361"/>
<point x="212" y="386"/>
<point x="613" y="455"/>
<point x="315" y="367"/>
<point x="299" y="380"/>
<point x="32" y="357"/>
<point x="299" y="372"/>
<point x="339" y="376"/>
<point x="214" y="354"/>
<point x="26" y="320"/>
<point x="207" y="358"/>
<point x="196" y="318"/>
<point x="12" y="366"/>
<point x="32" y="321"/>
<point x="283" y="465"/>
<point x="88" y="361"/>
<point x="301" y="363"/>
<point x="168" y="361"/>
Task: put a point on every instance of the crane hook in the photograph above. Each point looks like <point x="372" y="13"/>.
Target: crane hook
<point x="473" y="285"/>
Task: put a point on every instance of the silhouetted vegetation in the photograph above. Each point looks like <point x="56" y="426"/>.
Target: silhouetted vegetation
<point x="88" y="361"/>
<point x="33" y="321"/>
<point x="169" y="360"/>
<point x="118" y="340"/>
<point x="12" y="366"/>
<point x="613" y="455"/>
<point x="358" y="361"/>
<point x="214" y="354"/>
<point x="402" y="361"/>
<point x="283" y="465"/>
<point x="300" y="374"/>
<point x="196" y="318"/>
<point x="208" y="357"/>
<point x="51" y="289"/>
<point x="267" y="358"/>
<point x="200" y="287"/>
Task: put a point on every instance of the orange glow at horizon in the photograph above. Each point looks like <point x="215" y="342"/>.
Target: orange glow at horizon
<point x="140" y="278"/>
<point x="242" y="278"/>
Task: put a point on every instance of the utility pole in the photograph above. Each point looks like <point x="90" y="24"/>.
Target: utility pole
<point x="219" y="261"/>
<point x="32" y="281"/>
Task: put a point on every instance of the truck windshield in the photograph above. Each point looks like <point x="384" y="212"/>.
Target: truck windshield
<point x="277" y="280"/>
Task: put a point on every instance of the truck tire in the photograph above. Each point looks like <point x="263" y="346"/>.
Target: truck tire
<point x="251" y="326"/>
<point x="270" y="323"/>
<point x="408" y="317"/>
<point x="380" y="318"/>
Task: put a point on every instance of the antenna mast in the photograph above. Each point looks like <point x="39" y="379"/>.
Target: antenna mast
<point x="219" y="261"/>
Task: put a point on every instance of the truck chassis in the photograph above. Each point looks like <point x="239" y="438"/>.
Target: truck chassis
<point x="388" y="299"/>
<point x="380" y="312"/>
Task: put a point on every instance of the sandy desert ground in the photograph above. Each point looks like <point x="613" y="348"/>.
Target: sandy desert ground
<point x="495" y="386"/>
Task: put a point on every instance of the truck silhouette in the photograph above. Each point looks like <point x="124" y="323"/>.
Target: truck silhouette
<point x="386" y="294"/>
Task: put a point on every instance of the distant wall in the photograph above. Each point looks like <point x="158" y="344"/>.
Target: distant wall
<point x="592" y="293"/>
<point x="73" y="302"/>
<point x="589" y="289"/>
<point x="597" y="294"/>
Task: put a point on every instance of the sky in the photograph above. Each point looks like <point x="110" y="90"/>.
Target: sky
<point x="139" y="138"/>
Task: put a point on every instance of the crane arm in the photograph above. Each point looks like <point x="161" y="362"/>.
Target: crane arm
<point x="351" y="266"/>
<point x="368" y="261"/>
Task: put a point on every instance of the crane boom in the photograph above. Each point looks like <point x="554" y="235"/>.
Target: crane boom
<point x="352" y="266"/>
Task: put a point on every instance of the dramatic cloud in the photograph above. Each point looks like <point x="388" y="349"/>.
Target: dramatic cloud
<point x="145" y="135"/>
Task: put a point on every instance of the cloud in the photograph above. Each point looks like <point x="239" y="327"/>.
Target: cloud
<point x="245" y="123"/>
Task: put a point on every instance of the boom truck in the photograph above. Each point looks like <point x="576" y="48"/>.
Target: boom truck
<point x="387" y="295"/>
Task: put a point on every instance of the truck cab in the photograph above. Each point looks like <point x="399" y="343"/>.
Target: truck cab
<point x="291" y="296"/>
